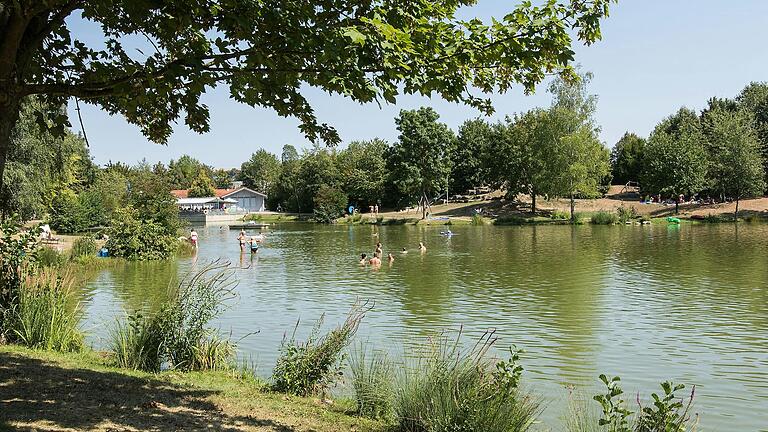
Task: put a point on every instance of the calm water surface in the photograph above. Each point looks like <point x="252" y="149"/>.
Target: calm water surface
<point x="686" y="303"/>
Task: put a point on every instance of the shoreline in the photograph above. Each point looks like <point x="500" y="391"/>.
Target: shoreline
<point x="60" y="391"/>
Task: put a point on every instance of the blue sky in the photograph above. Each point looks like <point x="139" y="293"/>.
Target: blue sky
<point x="655" y="56"/>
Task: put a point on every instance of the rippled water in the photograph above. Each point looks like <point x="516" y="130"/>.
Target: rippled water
<point x="686" y="303"/>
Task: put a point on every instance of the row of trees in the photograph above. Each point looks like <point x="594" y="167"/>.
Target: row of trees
<point x="553" y="152"/>
<point x="720" y="152"/>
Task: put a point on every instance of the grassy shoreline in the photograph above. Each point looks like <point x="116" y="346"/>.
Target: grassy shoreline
<point x="56" y="391"/>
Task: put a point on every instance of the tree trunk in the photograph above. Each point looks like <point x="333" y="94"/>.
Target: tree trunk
<point x="677" y="205"/>
<point x="736" y="213"/>
<point x="533" y="200"/>
<point x="573" y="206"/>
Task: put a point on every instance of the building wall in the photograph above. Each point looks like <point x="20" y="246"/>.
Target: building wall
<point x="248" y="201"/>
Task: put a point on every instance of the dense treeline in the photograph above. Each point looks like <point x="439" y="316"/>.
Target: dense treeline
<point x="553" y="152"/>
<point x="546" y="152"/>
<point x="720" y="153"/>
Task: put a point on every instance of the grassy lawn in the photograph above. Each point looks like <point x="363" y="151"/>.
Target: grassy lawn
<point x="51" y="391"/>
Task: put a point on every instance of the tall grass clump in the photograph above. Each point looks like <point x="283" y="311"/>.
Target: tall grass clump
<point x="83" y="247"/>
<point x="559" y="215"/>
<point x="178" y="335"/>
<point x="604" y="218"/>
<point x="452" y="389"/>
<point x="666" y="412"/>
<point x="373" y="382"/>
<point x="478" y="220"/>
<point x="47" y="315"/>
<point x="312" y="366"/>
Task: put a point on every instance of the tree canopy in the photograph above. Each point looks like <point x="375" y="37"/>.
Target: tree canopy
<point x="261" y="171"/>
<point x="676" y="157"/>
<point x="154" y="60"/>
<point x="419" y="162"/>
<point x="627" y="158"/>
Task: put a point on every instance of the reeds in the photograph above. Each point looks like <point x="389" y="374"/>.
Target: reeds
<point x="312" y="366"/>
<point x="178" y="334"/>
<point x="47" y="313"/>
<point x="373" y="379"/>
<point x="450" y="388"/>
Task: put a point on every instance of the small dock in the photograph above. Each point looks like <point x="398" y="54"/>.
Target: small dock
<point x="249" y="226"/>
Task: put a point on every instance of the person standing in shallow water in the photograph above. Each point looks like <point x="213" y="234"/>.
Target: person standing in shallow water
<point x="193" y="237"/>
<point x="422" y="248"/>
<point x="363" y="260"/>
<point x="241" y="238"/>
<point x="379" y="251"/>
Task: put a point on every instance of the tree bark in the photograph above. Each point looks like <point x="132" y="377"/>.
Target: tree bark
<point x="533" y="200"/>
<point x="573" y="207"/>
<point x="736" y="213"/>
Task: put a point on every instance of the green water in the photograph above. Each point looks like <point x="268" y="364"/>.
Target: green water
<point x="648" y="303"/>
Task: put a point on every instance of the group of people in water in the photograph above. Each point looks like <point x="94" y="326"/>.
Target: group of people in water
<point x="253" y="242"/>
<point x="376" y="259"/>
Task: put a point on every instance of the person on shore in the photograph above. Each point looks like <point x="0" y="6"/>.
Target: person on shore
<point x="241" y="239"/>
<point x="193" y="237"/>
<point x="422" y="248"/>
<point x="363" y="259"/>
<point x="376" y="209"/>
<point x="375" y="261"/>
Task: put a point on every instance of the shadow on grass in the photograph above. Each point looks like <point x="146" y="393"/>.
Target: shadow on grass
<point x="37" y="395"/>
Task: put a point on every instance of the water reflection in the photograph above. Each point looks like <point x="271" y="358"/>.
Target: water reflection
<point x="648" y="303"/>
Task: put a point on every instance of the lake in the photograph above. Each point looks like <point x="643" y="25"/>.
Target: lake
<point x="648" y="303"/>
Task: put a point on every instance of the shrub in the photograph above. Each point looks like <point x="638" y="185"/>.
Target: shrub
<point x="16" y="248"/>
<point x="666" y="414"/>
<point x="604" y="218"/>
<point x="83" y="247"/>
<point x="49" y="257"/>
<point x="178" y="334"/>
<point x="330" y="203"/>
<point x="311" y="367"/>
<point x="136" y="239"/>
<point x="510" y="220"/>
<point x="454" y="389"/>
<point x="560" y="215"/>
<point x="47" y="314"/>
<point x="478" y="220"/>
<point x="372" y="379"/>
<point x="626" y="213"/>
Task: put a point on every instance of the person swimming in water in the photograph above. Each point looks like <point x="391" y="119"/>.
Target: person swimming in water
<point x="422" y="248"/>
<point x="375" y="261"/>
<point x="363" y="259"/>
<point x="391" y="258"/>
<point x="404" y="251"/>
